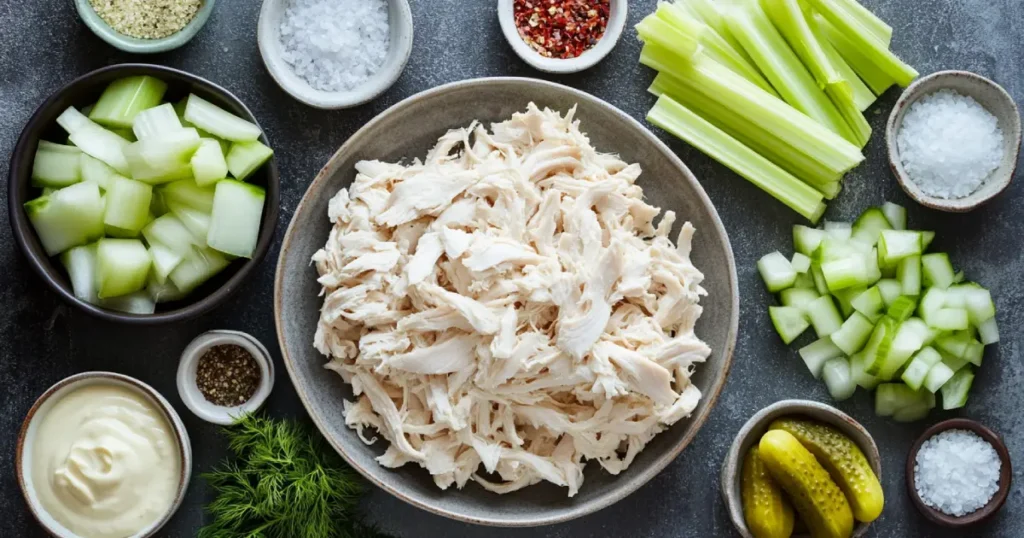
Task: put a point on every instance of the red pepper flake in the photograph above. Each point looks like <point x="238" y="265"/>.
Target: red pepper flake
<point x="561" y="28"/>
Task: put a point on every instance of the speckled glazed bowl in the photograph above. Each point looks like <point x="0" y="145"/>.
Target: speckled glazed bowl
<point x="143" y="46"/>
<point x="408" y="130"/>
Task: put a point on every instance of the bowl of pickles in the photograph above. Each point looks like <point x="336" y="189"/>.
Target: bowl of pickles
<point x="802" y="468"/>
<point x="143" y="194"/>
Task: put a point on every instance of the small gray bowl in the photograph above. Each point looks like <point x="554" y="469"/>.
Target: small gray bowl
<point x="752" y="431"/>
<point x="989" y="95"/>
<point x="143" y="46"/>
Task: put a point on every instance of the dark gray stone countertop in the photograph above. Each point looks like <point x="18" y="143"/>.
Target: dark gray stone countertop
<point x="43" y="45"/>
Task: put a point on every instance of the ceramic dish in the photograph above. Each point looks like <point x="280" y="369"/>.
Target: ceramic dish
<point x="42" y="126"/>
<point x="409" y="129"/>
<point x="143" y="46"/>
<point x="991" y="96"/>
<point x="26" y="440"/>
<point x="269" y="37"/>
<point x="613" y="31"/>
<point x="189" y="390"/>
<point x="752" y="431"/>
<point x="1005" y="475"/>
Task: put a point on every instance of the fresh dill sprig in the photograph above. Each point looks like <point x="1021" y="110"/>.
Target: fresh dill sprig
<point x="284" y="482"/>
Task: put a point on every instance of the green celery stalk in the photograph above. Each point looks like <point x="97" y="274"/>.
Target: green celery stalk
<point x="863" y="97"/>
<point x="864" y="40"/>
<point x="685" y="124"/>
<point x="713" y="44"/>
<point x="654" y="30"/>
<point x="791" y="22"/>
<point x="783" y="68"/>
<point x="710" y="79"/>
<point x="867" y="19"/>
<point x="806" y="167"/>
<point x="707" y="12"/>
<point x="877" y="80"/>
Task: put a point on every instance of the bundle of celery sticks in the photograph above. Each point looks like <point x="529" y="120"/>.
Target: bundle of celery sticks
<point x="775" y="90"/>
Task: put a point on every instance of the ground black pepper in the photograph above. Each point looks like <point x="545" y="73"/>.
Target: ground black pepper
<point x="228" y="375"/>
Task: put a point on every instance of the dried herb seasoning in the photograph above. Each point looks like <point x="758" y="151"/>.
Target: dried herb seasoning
<point x="147" y="19"/>
<point x="561" y="28"/>
<point x="228" y="375"/>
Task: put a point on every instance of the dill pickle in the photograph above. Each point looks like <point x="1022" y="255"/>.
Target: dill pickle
<point x="767" y="512"/>
<point x="844" y="461"/>
<point x="818" y="500"/>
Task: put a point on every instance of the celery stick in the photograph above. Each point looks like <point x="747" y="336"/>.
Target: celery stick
<point x="783" y="68"/>
<point x="244" y="158"/>
<point x="221" y="123"/>
<point x="874" y="51"/>
<point x="863" y="97"/>
<point x="56" y="168"/>
<point x="127" y="205"/>
<point x="690" y="127"/>
<point x="707" y="12"/>
<point x="878" y="28"/>
<point x="654" y="30"/>
<point x="68" y="217"/>
<point x="718" y="83"/>
<point x="125" y="98"/>
<point x="208" y="164"/>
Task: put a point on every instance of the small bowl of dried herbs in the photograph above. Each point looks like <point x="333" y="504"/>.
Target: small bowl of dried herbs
<point x="224" y="375"/>
<point x="145" y="26"/>
<point x="562" y="36"/>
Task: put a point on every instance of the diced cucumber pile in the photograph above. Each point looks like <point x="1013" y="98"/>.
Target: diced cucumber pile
<point x="888" y="315"/>
<point x="147" y="201"/>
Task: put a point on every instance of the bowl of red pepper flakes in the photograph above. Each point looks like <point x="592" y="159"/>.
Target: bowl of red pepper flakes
<point x="562" y="36"/>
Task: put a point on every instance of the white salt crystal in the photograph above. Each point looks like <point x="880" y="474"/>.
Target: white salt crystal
<point x="335" y="45"/>
<point x="949" y="144"/>
<point x="956" y="472"/>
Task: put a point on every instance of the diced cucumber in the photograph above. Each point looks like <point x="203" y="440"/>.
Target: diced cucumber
<point x="934" y="299"/>
<point x="235" y="220"/>
<point x="926" y="239"/>
<point x="789" y="321"/>
<point x="244" y="158"/>
<point x="56" y="168"/>
<point x="45" y="145"/>
<point x="158" y="207"/>
<point x="127" y="205"/>
<point x="817" y="353"/>
<point x="980" y="306"/>
<point x="139" y="302"/>
<point x="909" y="274"/>
<point x="221" y="123"/>
<point x="988" y="331"/>
<point x="124" y="98"/>
<point x="910" y="337"/>
<point x="798" y="297"/>
<point x="917" y="411"/>
<point x="974" y="353"/>
<point x="869" y="302"/>
<point x="891" y="290"/>
<point x="896" y="215"/>
<point x="187" y="193"/>
<point x="853" y="334"/>
<point x="819" y="279"/>
<point x="858" y="364"/>
<point x="122" y="266"/>
<point x="806" y="239"/>
<point x="164" y="260"/>
<point x="169" y="151"/>
<point x="954" y="391"/>
<point x="845" y="299"/>
<point x="800" y="263"/>
<point x="838" y="230"/>
<point x="804" y="280"/>
<point x="936" y="270"/>
<point x="197" y="222"/>
<point x="156" y="122"/>
<point x="954" y="344"/>
<point x="874" y="270"/>
<point x="892" y="397"/>
<point x="954" y="363"/>
<point x="877" y="349"/>
<point x="868" y="227"/>
<point x="164" y="292"/>
<point x="838" y="379"/>
<point x="776" y="271"/>
<point x="831" y="249"/>
<point x="919" y="367"/>
<point x="823" y="316"/>
<point x="170" y="232"/>
<point x="208" y="164"/>
<point x="80" y="263"/>
<point x="96" y="171"/>
<point x="197" y="267"/>
<point x="902" y="308"/>
<point x="949" y="319"/>
<point x="844" y="273"/>
<point x="937" y="376"/>
<point x="894" y="245"/>
<point x="94" y="140"/>
<point x="67" y="218"/>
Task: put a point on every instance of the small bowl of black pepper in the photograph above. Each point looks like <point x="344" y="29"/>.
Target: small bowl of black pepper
<point x="225" y="374"/>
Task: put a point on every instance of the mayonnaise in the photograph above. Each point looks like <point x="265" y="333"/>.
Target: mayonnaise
<point x="105" y="462"/>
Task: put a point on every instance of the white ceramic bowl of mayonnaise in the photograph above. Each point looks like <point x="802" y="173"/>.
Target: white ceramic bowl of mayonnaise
<point x="103" y="455"/>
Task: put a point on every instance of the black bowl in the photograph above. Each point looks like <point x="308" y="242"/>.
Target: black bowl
<point x="43" y="126"/>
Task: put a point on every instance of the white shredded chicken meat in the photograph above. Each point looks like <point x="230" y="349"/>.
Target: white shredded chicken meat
<point x="506" y="310"/>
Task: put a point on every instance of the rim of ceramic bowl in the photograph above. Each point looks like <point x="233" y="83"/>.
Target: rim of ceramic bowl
<point x="912" y="94"/>
<point x="188" y="388"/>
<point x="399" y="50"/>
<point x="617" y="14"/>
<point x="697" y="421"/>
<point x="48" y="270"/>
<point x="143" y="46"/>
<point x="177" y="427"/>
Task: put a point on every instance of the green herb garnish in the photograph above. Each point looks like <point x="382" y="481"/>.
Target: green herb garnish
<point x="284" y="482"/>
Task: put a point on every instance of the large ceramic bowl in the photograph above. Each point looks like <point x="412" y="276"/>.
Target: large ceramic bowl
<point x="409" y="129"/>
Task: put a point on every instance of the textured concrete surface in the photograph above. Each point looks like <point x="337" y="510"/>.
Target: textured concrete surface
<point x="43" y="45"/>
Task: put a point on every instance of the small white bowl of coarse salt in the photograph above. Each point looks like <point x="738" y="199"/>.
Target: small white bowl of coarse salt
<point x="953" y="140"/>
<point x="334" y="54"/>
<point x="958" y="473"/>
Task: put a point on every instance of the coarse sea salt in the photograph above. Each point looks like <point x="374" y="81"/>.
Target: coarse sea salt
<point x="956" y="472"/>
<point x="949" y="144"/>
<point x="335" y="45"/>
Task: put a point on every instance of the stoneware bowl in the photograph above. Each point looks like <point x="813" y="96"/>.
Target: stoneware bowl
<point x="188" y="389"/>
<point x="269" y="38"/>
<point x="408" y="130"/>
<point x="1005" y="475"/>
<point x="989" y="95"/>
<point x="751" y="432"/>
<point x="42" y="126"/>
<point x="613" y="31"/>
<point x="143" y="46"/>
<point x="27" y="440"/>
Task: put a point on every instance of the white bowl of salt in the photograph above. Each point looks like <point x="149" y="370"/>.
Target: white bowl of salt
<point x="953" y="139"/>
<point x="333" y="54"/>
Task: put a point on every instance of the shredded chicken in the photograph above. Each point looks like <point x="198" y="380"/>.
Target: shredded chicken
<point x="506" y="310"/>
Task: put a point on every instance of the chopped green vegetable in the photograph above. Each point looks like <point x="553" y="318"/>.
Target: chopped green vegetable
<point x="839" y="379"/>
<point x="790" y="322"/>
<point x="244" y="158"/>
<point x="954" y="391"/>
<point x="68" y="217"/>
<point x="56" y="166"/>
<point x="816" y="354"/>
<point x="125" y="98"/>
<point x="219" y="122"/>
<point x="853" y="334"/>
<point x="208" y="164"/>
<point x="235" y="219"/>
<point x="127" y="206"/>
<point x="122" y="266"/>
